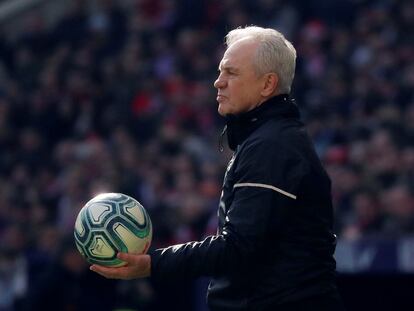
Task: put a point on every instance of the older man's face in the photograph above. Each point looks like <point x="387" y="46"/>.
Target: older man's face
<point x="239" y="88"/>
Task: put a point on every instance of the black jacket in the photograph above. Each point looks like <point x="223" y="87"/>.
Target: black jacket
<point x="274" y="242"/>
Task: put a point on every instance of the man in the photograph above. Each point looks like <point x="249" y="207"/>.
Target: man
<point x="274" y="246"/>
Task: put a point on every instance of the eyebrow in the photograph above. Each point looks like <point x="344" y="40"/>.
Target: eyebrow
<point x="227" y="68"/>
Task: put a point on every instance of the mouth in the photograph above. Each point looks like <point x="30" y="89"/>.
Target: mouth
<point x="220" y="98"/>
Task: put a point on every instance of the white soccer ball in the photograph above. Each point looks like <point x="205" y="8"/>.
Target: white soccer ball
<point x="111" y="223"/>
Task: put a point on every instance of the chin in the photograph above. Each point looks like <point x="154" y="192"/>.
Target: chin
<point x="221" y="111"/>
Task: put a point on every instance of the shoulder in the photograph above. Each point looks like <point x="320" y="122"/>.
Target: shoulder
<point x="275" y="148"/>
<point x="269" y="156"/>
<point x="282" y="137"/>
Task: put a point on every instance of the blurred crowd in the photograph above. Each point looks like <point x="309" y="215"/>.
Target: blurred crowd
<point x="120" y="98"/>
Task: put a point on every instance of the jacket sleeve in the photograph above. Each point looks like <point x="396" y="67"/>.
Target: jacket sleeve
<point x="260" y="171"/>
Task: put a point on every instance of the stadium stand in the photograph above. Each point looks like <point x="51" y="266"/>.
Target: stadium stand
<point x="118" y="96"/>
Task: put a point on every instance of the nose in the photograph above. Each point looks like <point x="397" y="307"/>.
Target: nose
<point x="220" y="82"/>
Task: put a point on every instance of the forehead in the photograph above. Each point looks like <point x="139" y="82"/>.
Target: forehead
<point x="239" y="54"/>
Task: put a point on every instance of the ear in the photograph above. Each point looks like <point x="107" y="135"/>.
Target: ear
<point x="271" y="81"/>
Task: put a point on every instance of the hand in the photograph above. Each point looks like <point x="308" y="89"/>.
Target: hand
<point x="138" y="266"/>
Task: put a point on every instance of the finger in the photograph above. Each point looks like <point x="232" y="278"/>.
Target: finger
<point x="111" y="272"/>
<point x="132" y="259"/>
<point x="101" y="269"/>
<point x="139" y="265"/>
<point x="104" y="271"/>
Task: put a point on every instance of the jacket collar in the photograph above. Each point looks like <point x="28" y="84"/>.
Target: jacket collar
<point x="239" y="127"/>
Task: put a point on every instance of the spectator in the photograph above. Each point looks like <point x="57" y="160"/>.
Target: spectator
<point x="107" y="98"/>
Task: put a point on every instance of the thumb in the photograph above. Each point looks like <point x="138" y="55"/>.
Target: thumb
<point x="137" y="264"/>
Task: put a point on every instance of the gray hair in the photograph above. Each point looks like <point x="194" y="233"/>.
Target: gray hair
<point x="274" y="54"/>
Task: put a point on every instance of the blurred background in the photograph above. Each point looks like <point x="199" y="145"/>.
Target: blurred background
<point x="117" y="96"/>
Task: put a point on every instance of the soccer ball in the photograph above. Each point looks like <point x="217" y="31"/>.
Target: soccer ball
<point x="109" y="223"/>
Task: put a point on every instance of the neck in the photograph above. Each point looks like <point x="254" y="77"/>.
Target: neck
<point x="239" y="126"/>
